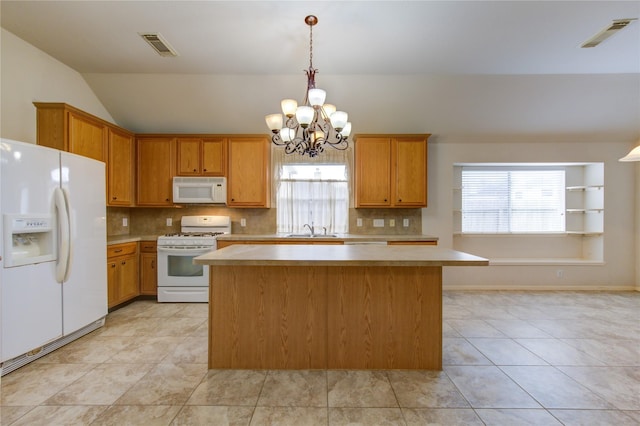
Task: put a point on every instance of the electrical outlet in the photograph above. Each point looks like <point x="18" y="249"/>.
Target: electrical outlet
<point x="392" y="223"/>
<point x="359" y="221"/>
<point x="378" y="223"/>
<point x="169" y="221"/>
<point x="243" y="222"/>
<point x="125" y="221"/>
<point x="559" y="273"/>
<point x="405" y="222"/>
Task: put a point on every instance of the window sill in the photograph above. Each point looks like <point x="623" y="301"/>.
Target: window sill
<point x="543" y="261"/>
<point x="524" y="234"/>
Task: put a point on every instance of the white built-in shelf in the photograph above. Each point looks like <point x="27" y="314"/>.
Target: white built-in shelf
<point x="542" y="261"/>
<point x="584" y="188"/>
<point x="528" y="234"/>
<point x="585" y="233"/>
<point x="585" y="210"/>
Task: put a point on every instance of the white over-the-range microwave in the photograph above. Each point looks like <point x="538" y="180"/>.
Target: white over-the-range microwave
<point x="200" y="190"/>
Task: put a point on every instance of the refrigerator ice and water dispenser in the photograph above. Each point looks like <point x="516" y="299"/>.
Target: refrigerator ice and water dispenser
<point x="28" y="239"/>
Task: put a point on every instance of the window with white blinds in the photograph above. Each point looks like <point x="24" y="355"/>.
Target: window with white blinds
<point x="514" y="199"/>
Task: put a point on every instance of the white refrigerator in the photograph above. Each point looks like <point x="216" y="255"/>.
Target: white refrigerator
<point x="53" y="278"/>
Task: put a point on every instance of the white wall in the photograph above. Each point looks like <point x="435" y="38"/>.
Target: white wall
<point x="28" y="75"/>
<point x="637" y="230"/>
<point x="618" y="270"/>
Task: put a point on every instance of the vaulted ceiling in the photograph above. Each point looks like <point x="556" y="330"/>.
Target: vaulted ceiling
<point x="398" y="66"/>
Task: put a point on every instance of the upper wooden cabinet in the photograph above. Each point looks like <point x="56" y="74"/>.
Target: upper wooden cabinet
<point x="120" y="168"/>
<point x="66" y="128"/>
<point x="391" y="171"/>
<point x="248" y="183"/>
<point x="156" y="168"/>
<point x="202" y="156"/>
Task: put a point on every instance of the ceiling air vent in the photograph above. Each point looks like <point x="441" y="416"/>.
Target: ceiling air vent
<point x="607" y="32"/>
<point x="159" y="44"/>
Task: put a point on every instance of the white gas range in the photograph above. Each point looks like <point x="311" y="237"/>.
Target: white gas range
<point x="179" y="280"/>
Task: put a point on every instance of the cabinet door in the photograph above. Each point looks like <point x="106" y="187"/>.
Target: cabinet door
<point x="155" y="167"/>
<point x="120" y="166"/>
<point x="86" y="137"/>
<point x="410" y="172"/>
<point x="128" y="278"/>
<point x="373" y="172"/>
<point x="112" y="283"/>
<point x="248" y="183"/>
<point x="148" y="274"/>
<point x="214" y="156"/>
<point x="189" y="153"/>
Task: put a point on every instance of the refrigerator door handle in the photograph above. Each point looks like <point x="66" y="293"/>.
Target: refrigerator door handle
<point x="64" y="252"/>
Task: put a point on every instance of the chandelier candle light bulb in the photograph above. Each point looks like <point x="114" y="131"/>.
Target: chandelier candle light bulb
<point x="307" y="128"/>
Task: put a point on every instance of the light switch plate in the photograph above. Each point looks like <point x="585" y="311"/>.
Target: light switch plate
<point x="125" y="221"/>
<point x="378" y="223"/>
<point x="392" y="223"/>
<point x="405" y="222"/>
<point x="243" y="222"/>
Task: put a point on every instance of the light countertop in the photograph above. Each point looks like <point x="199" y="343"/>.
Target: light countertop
<point x="121" y="239"/>
<point x="338" y="237"/>
<point x="338" y="255"/>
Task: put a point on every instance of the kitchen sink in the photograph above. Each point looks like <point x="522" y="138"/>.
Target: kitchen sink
<point x="312" y="236"/>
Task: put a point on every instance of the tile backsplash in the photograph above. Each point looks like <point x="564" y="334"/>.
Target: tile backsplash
<point x="153" y="221"/>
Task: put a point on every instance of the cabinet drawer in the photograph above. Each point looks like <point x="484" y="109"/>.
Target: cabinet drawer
<point x="121" y="249"/>
<point x="148" y="246"/>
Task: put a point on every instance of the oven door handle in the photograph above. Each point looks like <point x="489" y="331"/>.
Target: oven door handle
<point x="185" y="250"/>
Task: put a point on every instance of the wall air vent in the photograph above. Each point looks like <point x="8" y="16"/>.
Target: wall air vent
<point x="159" y="44"/>
<point x="607" y="32"/>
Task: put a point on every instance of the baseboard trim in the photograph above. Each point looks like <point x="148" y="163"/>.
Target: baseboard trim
<point x="507" y="287"/>
<point x="22" y="360"/>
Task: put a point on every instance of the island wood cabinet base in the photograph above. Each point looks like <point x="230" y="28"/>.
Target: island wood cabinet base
<point x="325" y="317"/>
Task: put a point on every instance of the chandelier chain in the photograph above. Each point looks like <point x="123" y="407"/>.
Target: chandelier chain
<point x="308" y="128"/>
<point x="311" y="46"/>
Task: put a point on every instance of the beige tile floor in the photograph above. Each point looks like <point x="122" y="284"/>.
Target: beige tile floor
<point x="510" y="358"/>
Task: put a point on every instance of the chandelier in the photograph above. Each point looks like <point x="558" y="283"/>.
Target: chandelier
<point x="308" y="128"/>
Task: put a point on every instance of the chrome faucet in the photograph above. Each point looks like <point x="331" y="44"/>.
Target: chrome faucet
<point x="309" y="226"/>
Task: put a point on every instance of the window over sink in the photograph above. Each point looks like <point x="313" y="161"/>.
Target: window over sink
<point x="314" y="193"/>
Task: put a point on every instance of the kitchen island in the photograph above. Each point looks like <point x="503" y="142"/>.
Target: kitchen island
<point x="328" y="306"/>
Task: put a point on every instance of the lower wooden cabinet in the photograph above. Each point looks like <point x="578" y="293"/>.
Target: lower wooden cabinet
<point x="148" y="268"/>
<point x="122" y="273"/>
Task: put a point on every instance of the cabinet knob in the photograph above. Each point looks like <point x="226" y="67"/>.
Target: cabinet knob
<point x="195" y="170"/>
<point x="205" y="170"/>
<point x="153" y="264"/>
<point x="114" y="198"/>
<point x="113" y="265"/>
<point x="400" y="200"/>
<point x="166" y="199"/>
<point x="385" y="200"/>
<point x="123" y="262"/>
<point x="117" y="251"/>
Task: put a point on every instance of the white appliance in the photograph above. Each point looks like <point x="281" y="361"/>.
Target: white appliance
<point x="194" y="190"/>
<point x="179" y="280"/>
<point x="53" y="278"/>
